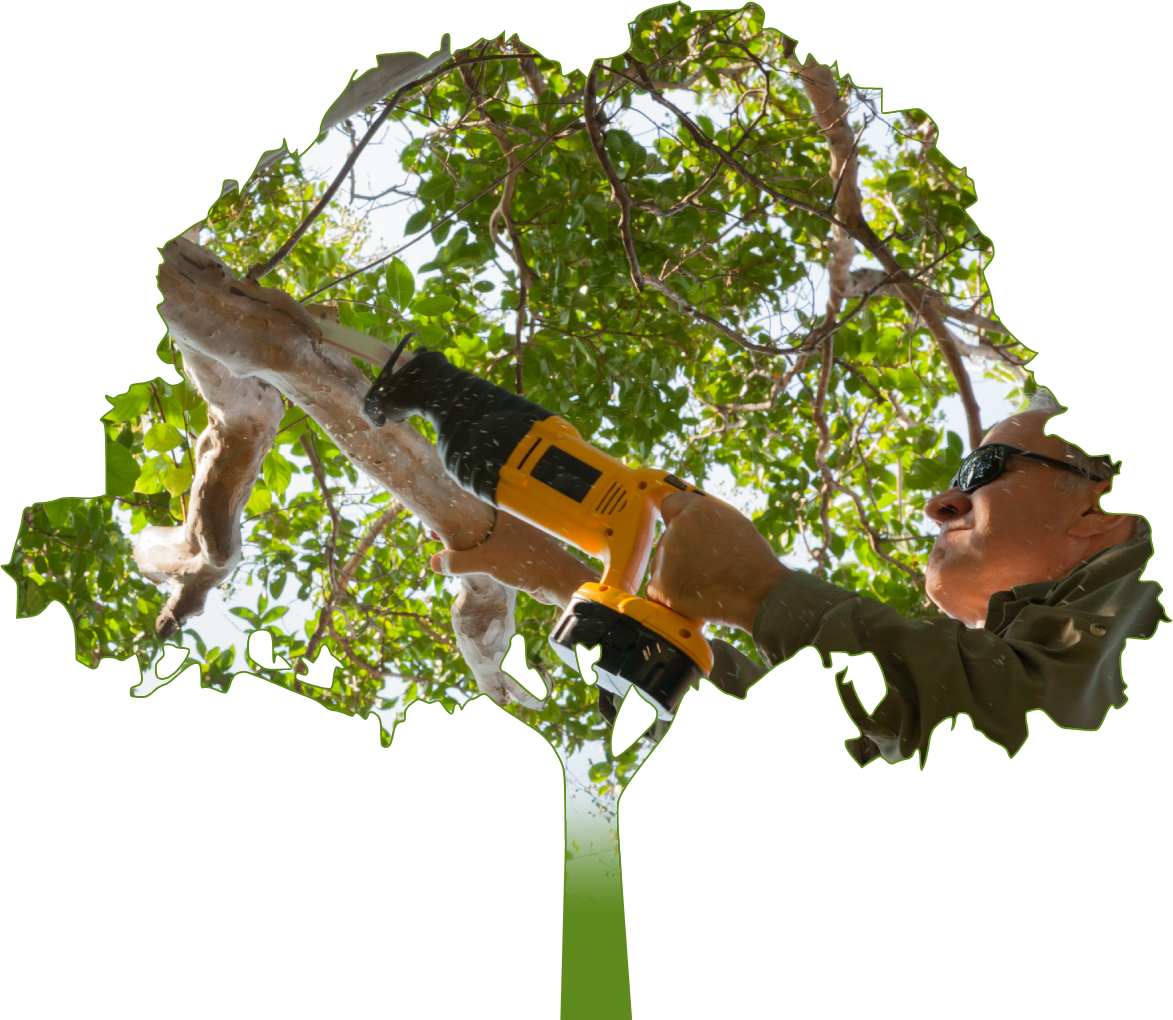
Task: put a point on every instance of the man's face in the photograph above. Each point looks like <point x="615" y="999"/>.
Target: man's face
<point x="1015" y="530"/>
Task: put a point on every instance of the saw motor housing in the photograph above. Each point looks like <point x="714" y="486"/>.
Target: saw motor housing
<point x="526" y="460"/>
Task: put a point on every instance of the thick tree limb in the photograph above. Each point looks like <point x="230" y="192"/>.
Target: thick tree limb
<point x="270" y="343"/>
<point x="482" y="620"/>
<point x="243" y="415"/>
<point x="529" y="68"/>
<point x="830" y="113"/>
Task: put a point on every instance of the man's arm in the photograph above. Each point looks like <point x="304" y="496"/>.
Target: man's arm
<point x="1063" y="658"/>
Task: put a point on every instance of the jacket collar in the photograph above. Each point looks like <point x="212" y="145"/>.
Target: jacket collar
<point x="1104" y="567"/>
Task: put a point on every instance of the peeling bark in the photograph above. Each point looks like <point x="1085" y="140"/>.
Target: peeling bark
<point x="258" y="340"/>
<point x="243" y="416"/>
<point x="482" y="620"/>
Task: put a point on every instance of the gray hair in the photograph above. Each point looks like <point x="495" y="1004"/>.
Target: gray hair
<point x="1092" y="467"/>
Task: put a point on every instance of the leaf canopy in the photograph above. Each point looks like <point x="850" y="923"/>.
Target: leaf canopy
<point x="528" y="282"/>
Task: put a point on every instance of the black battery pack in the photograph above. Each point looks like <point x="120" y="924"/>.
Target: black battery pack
<point x="630" y="653"/>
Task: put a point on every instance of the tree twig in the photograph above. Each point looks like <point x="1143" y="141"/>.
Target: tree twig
<point x="570" y="129"/>
<point x="346" y="575"/>
<point x="263" y="268"/>
<point x="310" y="448"/>
<point x="271" y="263"/>
<point x="619" y="193"/>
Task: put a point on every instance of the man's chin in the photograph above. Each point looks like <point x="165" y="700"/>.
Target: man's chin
<point x="946" y="589"/>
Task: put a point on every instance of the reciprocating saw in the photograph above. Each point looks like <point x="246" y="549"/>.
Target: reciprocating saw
<point x="521" y="458"/>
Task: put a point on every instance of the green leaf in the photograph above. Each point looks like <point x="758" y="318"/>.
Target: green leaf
<point x="122" y="470"/>
<point x="51" y="591"/>
<point x="437" y="304"/>
<point x="33" y="602"/>
<point x="898" y="182"/>
<point x="129" y="405"/>
<point x="417" y="222"/>
<point x="400" y="283"/>
<point x="293" y="424"/>
<point x="197" y="418"/>
<point x="260" y="500"/>
<point x="149" y="482"/>
<point x="349" y="316"/>
<point x="277" y="472"/>
<point x="430" y="334"/>
<point x="174" y="479"/>
<point x="433" y="188"/>
<point x="160" y="438"/>
<point x="58" y="510"/>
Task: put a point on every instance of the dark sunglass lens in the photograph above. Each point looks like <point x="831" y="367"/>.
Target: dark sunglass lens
<point x="980" y="468"/>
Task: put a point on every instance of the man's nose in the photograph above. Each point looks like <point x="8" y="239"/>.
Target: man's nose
<point x="948" y="505"/>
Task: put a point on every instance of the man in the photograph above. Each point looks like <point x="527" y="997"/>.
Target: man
<point x="1041" y="587"/>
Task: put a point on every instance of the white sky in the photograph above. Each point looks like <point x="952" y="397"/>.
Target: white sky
<point x="379" y="169"/>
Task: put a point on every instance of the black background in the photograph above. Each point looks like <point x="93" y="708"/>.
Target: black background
<point x="750" y="827"/>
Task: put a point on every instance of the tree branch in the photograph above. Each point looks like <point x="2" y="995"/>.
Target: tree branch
<point x="819" y="83"/>
<point x="619" y="193"/>
<point x="262" y="340"/>
<point x="310" y="447"/>
<point x="243" y="415"/>
<point x="863" y="279"/>
<point x="529" y="68"/>
<point x="570" y="129"/>
<point x="266" y="267"/>
<point x="339" y="585"/>
<point x="820" y="419"/>
<point x="830" y="114"/>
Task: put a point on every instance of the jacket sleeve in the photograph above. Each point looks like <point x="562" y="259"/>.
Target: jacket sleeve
<point x="1050" y="657"/>
<point x="733" y="672"/>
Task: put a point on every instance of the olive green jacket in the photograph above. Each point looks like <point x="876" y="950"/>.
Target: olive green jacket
<point x="1053" y="646"/>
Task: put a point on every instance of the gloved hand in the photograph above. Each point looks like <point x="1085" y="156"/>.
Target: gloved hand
<point x="518" y="555"/>
<point x="711" y="563"/>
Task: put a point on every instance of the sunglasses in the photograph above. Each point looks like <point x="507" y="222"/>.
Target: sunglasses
<point x="987" y="463"/>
